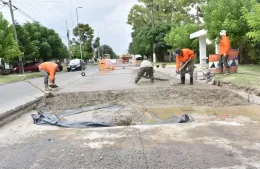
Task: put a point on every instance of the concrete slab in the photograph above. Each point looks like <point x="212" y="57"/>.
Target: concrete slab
<point x="194" y="145"/>
<point x="17" y="94"/>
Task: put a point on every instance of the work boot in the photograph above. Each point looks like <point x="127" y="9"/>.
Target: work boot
<point x="191" y="80"/>
<point x="47" y="89"/>
<point x="182" y="80"/>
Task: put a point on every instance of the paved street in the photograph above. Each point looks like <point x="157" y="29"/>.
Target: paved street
<point x="218" y="139"/>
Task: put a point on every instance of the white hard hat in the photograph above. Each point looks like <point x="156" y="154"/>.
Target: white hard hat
<point x="223" y="33"/>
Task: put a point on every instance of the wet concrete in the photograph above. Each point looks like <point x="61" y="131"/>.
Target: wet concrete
<point x="225" y="133"/>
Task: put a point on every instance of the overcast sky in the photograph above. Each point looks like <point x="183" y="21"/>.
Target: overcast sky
<point x="108" y="17"/>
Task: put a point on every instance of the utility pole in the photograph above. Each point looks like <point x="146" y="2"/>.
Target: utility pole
<point x="98" y="46"/>
<point x="79" y="33"/>
<point x="68" y="36"/>
<point x="154" y="55"/>
<point x="21" y="70"/>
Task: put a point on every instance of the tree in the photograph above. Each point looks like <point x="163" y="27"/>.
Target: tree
<point x="38" y="42"/>
<point x="165" y="11"/>
<point x="179" y="37"/>
<point x="85" y="36"/>
<point x="253" y="20"/>
<point x="143" y="38"/>
<point x="228" y="15"/>
<point x="105" y="49"/>
<point x="9" y="49"/>
<point x="96" y="43"/>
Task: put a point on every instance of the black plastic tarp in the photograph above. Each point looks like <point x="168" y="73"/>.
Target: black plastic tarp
<point x="43" y="118"/>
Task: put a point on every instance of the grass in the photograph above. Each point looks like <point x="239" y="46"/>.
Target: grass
<point x="16" y="78"/>
<point x="248" y="75"/>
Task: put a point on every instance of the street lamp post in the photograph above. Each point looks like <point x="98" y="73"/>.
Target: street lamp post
<point x="80" y="48"/>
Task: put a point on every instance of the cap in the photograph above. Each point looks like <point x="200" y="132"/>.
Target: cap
<point x="178" y="51"/>
<point x="223" y="33"/>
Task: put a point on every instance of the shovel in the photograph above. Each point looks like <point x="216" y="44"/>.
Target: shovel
<point x="53" y="86"/>
<point x="172" y="82"/>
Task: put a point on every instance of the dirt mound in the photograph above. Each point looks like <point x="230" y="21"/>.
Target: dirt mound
<point x="146" y="97"/>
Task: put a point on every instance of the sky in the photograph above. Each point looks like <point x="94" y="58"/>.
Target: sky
<point x="107" y="17"/>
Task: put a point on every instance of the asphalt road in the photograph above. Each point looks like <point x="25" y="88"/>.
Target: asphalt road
<point x="210" y="144"/>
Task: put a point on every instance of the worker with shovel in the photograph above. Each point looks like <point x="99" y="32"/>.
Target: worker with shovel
<point x="146" y="67"/>
<point x="186" y="57"/>
<point x="49" y="70"/>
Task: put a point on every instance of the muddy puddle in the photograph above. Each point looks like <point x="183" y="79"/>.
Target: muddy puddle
<point x="149" y="106"/>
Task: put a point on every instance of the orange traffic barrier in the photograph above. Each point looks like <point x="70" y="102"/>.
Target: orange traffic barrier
<point x="232" y="62"/>
<point x="105" y="64"/>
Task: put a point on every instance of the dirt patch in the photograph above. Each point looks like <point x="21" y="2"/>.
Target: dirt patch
<point x="145" y="97"/>
<point x="139" y="106"/>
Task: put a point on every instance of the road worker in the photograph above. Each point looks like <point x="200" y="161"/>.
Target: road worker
<point x="48" y="70"/>
<point x="146" y="67"/>
<point x="224" y="51"/>
<point x="184" y="56"/>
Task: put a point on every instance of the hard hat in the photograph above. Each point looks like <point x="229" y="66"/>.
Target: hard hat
<point x="223" y="33"/>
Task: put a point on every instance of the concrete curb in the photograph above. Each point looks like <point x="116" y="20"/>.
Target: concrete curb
<point x="18" y="111"/>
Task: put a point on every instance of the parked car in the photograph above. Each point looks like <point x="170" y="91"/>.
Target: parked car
<point x="29" y="67"/>
<point x="76" y="64"/>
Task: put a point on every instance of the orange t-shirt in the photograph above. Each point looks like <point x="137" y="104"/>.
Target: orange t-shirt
<point x="224" y="46"/>
<point x="49" y="67"/>
<point x="187" y="53"/>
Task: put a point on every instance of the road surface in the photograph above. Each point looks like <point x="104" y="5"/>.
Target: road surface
<point x="214" y="142"/>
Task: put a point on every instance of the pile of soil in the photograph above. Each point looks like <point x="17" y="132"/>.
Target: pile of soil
<point x="145" y="97"/>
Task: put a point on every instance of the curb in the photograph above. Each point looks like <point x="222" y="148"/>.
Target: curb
<point x="18" y="111"/>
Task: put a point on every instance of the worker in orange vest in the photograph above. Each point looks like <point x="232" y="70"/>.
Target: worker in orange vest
<point x="224" y="51"/>
<point x="48" y="70"/>
<point x="185" y="56"/>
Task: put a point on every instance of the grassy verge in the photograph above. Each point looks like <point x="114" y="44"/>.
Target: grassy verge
<point x="248" y="75"/>
<point x="16" y="78"/>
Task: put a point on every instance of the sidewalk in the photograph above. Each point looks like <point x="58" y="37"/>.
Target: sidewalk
<point x="16" y="95"/>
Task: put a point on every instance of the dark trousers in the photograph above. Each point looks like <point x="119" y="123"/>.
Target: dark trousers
<point x="142" y="71"/>
<point x="223" y="60"/>
<point x="45" y="75"/>
<point x="190" y="67"/>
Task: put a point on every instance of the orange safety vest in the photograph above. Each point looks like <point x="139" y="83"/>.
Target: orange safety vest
<point x="187" y="53"/>
<point x="224" y="46"/>
<point x="49" y="67"/>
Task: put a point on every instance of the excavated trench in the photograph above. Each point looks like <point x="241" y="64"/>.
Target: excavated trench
<point x="142" y="106"/>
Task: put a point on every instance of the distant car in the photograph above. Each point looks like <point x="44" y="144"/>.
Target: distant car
<point x="59" y="65"/>
<point x="76" y="64"/>
<point x="29" y="67"/>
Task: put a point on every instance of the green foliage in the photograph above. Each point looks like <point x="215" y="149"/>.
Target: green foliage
<point x="165" y="11"/>
<point x="144" y="37"/>
<point x="227" y="15"/>
<point x="9" y="49"/>
<point x="38" y="42"/>
<point x="96" y="43"/>
<point x="179" y="37"/>
<point x="253" y="19"/>
<point x="106" y="49"/>
<point x="235" y="17"/>
<point x="85" y="35"/>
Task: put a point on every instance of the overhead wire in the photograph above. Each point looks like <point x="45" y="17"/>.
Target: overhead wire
<point x="31" y="18"/>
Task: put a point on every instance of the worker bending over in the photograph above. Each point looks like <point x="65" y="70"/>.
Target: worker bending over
<point x="185" y="56"/>
<point x="145" y="67"/>
<point x="48" y="70"/>
<point x="224" y="51"/>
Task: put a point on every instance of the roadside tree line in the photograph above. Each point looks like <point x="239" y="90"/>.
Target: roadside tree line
<point x="174" y="21"/>
<point x="39" y="43"/>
